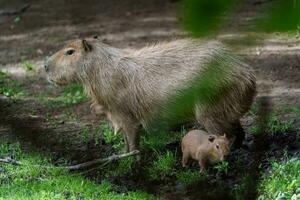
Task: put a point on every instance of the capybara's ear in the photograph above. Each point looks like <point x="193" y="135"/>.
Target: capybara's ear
<point x="86" y="45"/>
<point x="211" y="138"/>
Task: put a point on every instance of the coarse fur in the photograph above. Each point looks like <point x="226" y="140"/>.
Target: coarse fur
<point x="136" y="87"/>
<point x="204" y="148"/>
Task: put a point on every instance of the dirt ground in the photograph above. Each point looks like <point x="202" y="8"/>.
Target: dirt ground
<point x="47" y="25"/>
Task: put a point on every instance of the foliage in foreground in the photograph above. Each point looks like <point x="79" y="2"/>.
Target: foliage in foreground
<point x="282" y="182"/>
<point x="28" y="182"/>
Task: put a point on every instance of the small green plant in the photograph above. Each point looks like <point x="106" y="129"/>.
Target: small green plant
<point x="275" y="125"/>
<point x="10" y="87"/>
<point x="283" y="181"/>
<point x="122" y="167"/>
<point x="110" y="137"/>
<point x="27" y="65"/>
<point x="190" y="177"/>
<point x="163" y="166"/>
<point x="73" y="94"/>
<point x="293" y="109"/>
<point x="222" y="167"/>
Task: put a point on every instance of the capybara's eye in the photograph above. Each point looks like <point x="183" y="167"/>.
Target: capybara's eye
<point x="217" y="146"/>
<point x="70" y="52"/>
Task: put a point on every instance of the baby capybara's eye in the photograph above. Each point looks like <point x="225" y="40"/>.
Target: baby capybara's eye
<point x="70" y="52"/>
<point x="217" y="146"/>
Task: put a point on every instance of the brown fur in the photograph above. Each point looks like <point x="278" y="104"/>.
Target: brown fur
<point x="133" y="87"/>
<point x="204" y="148"/>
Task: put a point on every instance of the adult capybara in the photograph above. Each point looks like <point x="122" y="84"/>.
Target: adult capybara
<point x="191" y="79"/>
<point x="205" y="148"/>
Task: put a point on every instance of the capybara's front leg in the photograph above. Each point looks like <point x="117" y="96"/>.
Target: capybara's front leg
<point x="202" y="164"/>
<point x="185" y="159"/>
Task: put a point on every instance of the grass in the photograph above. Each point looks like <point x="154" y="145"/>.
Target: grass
<point x="190" y="177"/>
<point x="158" y="141"/>
<point x="121" y="167"/>
<point x="163" y="167"/>
<point x="110" y="138"/>
<point x="71" y="95"/>
<point x="222" y="167"/>
<point x="275" y="125"/>
<point x="34" y="183"/>
<point x="283" y="180"/>
<point x="10" y="87"/>
<point x="292" y="109"/>
<point x="27" y="65"/>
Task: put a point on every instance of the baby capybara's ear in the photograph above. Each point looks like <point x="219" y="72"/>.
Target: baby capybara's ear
<point x="87" y="47"/>
<point x="211" y="138"/>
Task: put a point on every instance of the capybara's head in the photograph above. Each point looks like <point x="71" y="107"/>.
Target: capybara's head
<point x="63" y="67"/>
<point x="220" y="147"/>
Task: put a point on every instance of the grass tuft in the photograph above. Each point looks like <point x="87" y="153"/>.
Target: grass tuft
<point x="10" y="87"/>
<point x="275" y="125"/>
<point x="190" y="177"/>
<point x="27" y="182"/>
<point x="282" y="182"/>
<point x="163" y="166"/>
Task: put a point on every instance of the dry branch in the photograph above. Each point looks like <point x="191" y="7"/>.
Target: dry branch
<point x="102" y="161"/>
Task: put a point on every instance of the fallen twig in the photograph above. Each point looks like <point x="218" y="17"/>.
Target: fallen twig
<point x="102" y="161"/>
<point x="14" y="12"/>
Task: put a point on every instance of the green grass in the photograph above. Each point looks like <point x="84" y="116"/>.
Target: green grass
<point x="163" y="167"/>
<point x="10" y="87"/>
<point x="121" y="167"/>
<point x="158" y="141"/>
<point x="189" y="177"/>
<point x="27" y="65"/>
<point x="292" y="109"/>
<point x="275" y="125"/>
<point x="110" y="138"/>
<point x="222" y="167"/>
<point x="72" y="94"/>
<point x="282" y="182"/>
<point x="34" y="183"/>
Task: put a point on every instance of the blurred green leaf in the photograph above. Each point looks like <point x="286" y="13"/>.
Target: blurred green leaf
<point x="284" y="15"/>
<point x="202" y="17"/>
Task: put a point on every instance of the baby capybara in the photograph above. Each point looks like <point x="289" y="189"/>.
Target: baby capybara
<point x="198" y="145"/>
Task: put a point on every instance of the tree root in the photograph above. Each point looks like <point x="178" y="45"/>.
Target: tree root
<point x="102" y="161"/>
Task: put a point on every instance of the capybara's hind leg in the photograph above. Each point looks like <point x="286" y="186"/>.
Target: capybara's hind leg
<point x="131" y="132"/>
<point x="126" y="145"/>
